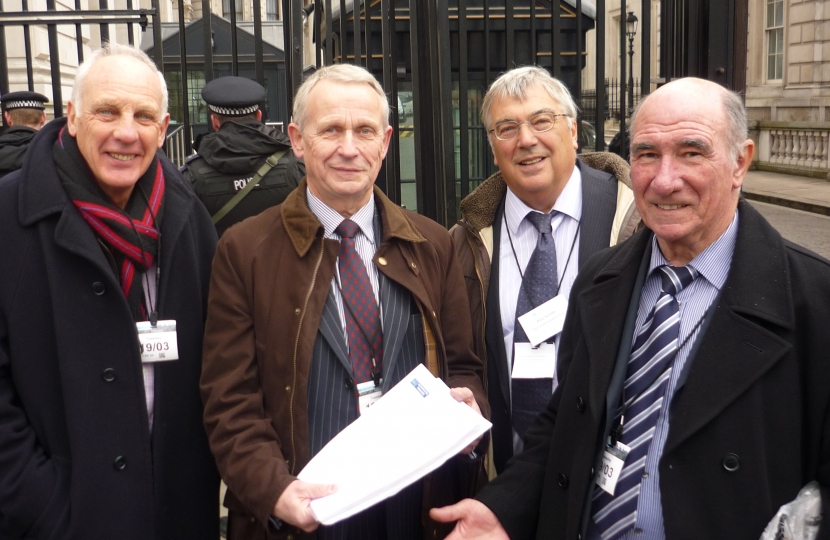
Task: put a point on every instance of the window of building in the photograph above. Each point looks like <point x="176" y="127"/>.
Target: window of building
<point x="271" y="13"/>
<point x="196" y="106"/>
<point x="226" y="9"/>
<point x="774" y="26"/>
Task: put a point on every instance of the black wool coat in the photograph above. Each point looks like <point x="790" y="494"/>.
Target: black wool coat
<point x="747" y="430"/>
<point x="77" y="458"/>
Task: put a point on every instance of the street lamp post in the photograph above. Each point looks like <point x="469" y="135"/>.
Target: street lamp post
<point x="630" y="32"/>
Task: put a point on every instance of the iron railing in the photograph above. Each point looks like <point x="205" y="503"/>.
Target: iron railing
<point x="439" y="56"/>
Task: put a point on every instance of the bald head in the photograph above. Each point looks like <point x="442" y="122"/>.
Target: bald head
<point x="706" y="95"/>
<point x="689" y="156"/>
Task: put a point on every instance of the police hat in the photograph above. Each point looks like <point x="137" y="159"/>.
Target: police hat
<point x="233" y="96"/>
<point x="23" y="100"/>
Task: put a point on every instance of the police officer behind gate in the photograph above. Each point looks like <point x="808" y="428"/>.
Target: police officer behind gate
<point x="240" y="150"/>
<point x="24" y="114"/>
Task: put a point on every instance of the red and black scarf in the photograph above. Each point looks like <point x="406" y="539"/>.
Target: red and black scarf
<point x="131" y="235"/>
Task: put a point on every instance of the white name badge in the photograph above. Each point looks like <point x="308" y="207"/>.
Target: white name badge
<point x="546" y="320"/>
<point x="158" y="343"/>
<point x="613" y="459"/>
<point x="534" y="362"/>
<point x="367" y="395"/>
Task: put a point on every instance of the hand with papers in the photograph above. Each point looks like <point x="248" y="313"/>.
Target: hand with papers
<point x="293" y="506"/>
<point x="475" y="521"/>
<point x="411" y="431"/>
<point x="465" y="395"/>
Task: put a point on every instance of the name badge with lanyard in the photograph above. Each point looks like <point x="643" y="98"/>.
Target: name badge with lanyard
<point x="368" y="392"/>
<point x="158" y="339"/>
<point x="537" y="359"/>
<point x="615" y="453"/>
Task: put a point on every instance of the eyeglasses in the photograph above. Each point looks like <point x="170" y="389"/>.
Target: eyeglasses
<point x="539" y="123"/>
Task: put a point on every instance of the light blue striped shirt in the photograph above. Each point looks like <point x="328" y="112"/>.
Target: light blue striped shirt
<point x="565" y="216"/>
<point x="713" y="264"/>
<point x="364" y="244"/>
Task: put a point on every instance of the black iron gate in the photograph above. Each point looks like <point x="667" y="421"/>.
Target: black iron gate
<point x="434" y="58"/>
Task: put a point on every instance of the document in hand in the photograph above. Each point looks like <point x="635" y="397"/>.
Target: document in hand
<point x="406" y="434"/>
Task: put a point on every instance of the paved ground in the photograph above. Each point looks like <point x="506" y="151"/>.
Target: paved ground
<point x="799" y="192"/>
<point x="805" y="228"/>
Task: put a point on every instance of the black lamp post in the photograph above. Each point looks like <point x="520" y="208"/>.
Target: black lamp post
<point x="631" y="31"/>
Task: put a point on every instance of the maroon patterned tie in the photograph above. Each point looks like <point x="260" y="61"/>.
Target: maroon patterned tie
<point x="359" y="308"/>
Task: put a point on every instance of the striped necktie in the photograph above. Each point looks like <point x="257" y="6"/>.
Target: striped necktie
<point x="648" y="374"/>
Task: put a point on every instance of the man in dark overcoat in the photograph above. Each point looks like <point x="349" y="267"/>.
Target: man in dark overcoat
<point x="693" y="400"/>
<point x="103" y="291"/>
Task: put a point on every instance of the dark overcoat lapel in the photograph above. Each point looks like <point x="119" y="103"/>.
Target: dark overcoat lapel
<point x="599" y="203"/>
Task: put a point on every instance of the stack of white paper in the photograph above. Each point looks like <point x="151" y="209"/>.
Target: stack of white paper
<point x="409" y="432"/>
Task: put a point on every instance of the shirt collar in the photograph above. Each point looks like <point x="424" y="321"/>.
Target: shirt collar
<point x="331" y="219"/>
<point x="713" y="262"/>
<point x="569" y="203"/>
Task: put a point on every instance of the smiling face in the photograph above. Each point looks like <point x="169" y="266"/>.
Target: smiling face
<point x="343" y="142"/>
<point x="120" y="126"/>
<point x="536" y="166"/>
<point x="684" y="173"/>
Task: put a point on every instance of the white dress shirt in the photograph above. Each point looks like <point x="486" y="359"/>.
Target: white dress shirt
<point x="364" y="244"/>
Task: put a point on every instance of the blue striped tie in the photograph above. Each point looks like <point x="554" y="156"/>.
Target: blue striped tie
<point x="648" y="375"/>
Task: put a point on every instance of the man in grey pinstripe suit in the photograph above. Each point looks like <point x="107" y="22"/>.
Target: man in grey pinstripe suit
<point x="283" y="365"/>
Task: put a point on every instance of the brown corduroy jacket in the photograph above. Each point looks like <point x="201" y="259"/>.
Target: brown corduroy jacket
<point x="271" y="277"/>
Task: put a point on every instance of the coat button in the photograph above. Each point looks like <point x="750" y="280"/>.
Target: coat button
<point x="98" y="288"/>
<point x="562" y="480"/>
<point x="382" y="261"/>
<point x="108" y="375"/>
<point x="120" y="463"/>
<point x="731" y="462"/>
<point x="580" y="404"/>
<point x="349" y="384"/>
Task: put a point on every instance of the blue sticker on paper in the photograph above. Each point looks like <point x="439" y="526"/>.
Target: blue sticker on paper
<point x="420" y="388"/>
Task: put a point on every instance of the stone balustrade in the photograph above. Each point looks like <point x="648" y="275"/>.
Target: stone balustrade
<point x="794" y="145"/>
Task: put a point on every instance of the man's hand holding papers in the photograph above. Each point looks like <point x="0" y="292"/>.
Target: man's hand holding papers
<point x="465" y="395"/>
<point x="294" y="505"/>
<point x="413" y="429"/>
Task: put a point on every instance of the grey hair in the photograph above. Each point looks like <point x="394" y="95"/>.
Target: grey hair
<point x="515" y="84"/>
<point x="341" y="73"/>
<point x="737" y="125"/>
<point x="115" y="49"/>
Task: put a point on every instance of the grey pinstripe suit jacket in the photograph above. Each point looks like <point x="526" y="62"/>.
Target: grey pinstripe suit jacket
<point x="332" y="402"/>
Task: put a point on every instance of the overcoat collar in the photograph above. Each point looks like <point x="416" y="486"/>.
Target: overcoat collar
<point x="738" y="346"/>
<point x="303" y="226"/>
<point x="479" y="207"/>
<point x="41" y="195"/>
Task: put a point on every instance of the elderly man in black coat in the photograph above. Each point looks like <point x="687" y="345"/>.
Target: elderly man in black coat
<point x="103" y="290"/>
<point x="693" y="400"/>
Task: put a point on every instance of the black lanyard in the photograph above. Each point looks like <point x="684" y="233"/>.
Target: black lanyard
<point x="616" y="433"/>
<point x="153" y="302"/>
<point x="377" y="363"/>
<point x="519" y="266"/>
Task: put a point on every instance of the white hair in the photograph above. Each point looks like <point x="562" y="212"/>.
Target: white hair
<point x="515" y="84"/>
<point x="341" y="73"/>
<point x="115" y="49"/>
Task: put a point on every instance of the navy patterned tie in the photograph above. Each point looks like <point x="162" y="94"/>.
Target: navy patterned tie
<point x="540" y="284"/>
<point x="647" y="378"/>
<point x="360" y="308"/>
